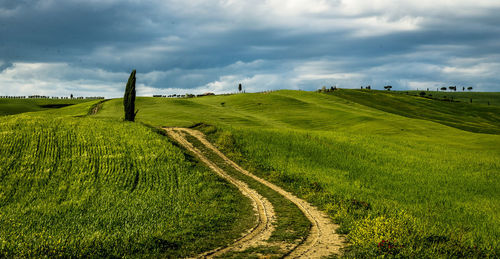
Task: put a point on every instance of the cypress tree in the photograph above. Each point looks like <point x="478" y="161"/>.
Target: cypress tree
<point x="129" y="98"/>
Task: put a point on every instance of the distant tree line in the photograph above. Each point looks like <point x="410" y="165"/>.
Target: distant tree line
<point x="13" y="97"/>
<point x="389" y="87"/>
<point x="454" y="88"/>
<point x="51" y="97"/>
<point x="327" y="90"/>
<point x="182" y="95"/>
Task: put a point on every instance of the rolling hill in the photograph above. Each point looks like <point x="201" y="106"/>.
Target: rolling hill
<point x="391" y="168"/>
<point x="383" y="168"/>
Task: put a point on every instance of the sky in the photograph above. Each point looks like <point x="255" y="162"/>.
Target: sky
<point x="89" y="47"/>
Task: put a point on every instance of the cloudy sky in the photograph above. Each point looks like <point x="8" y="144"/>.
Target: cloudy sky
<point x="89" y="47"/>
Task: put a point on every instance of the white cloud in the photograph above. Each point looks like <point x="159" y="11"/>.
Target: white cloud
<point x="424" y="85"/>
<point x="476" y="70"/>
<point x="196" y="46"/>
<point x="364" y="18"/>
<point x="59" y="79"/>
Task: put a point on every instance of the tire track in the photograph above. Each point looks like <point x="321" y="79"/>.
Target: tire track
<point x="322" y="239"/>
<point x="263" y="208"/>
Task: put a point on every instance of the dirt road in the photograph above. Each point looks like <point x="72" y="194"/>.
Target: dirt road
<point x="322" y="239"/>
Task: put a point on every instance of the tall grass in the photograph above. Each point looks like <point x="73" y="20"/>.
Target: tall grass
<point x="426" y="196"/>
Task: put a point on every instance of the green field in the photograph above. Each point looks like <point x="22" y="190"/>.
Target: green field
<point x="83" y="187"/>
<point x="430" y="188"/>
<point x="421" y="174"/>
<point x="15" y="106"/>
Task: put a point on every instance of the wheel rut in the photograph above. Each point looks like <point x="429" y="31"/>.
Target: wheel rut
<point x="322" y="239"/>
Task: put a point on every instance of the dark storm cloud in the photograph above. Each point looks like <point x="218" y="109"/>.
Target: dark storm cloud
<point x="211" y="45"/>
<point x="65" y="30"/>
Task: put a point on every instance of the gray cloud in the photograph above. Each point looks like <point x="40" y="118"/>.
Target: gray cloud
<point x="86" y="45"/>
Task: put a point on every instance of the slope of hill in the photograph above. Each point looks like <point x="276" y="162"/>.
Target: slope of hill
<point x="480" y="98"/>
<point x="427" y="189"/>
<point x="81" y="187"/>
<point x="15" y="106"/>
<point x="463" y="115"/>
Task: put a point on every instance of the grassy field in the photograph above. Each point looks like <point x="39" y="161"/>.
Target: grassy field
<point x="73" y="186"/>
<point x="15" y="106"/>
<point x="405" y="176"/>
<point x="463" y="115"/>
<point x="425" y="188"/>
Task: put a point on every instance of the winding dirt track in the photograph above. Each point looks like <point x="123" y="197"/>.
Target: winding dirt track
<point x="322" y="239"/>
<point x="263" y="208"/>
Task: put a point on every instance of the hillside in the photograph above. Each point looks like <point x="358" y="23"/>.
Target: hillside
<point x="80" y="187"/>
<point x="475" y="117"/>
<point x="408" y="171"/>
<point x="478" y="98"/>
<point x="15" y="106"/>
<point x="429" y="188"/>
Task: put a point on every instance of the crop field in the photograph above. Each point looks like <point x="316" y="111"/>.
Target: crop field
<point x="82" y="187"/>
<point x="15" y="106"/>
<point x="412" y="177"/>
